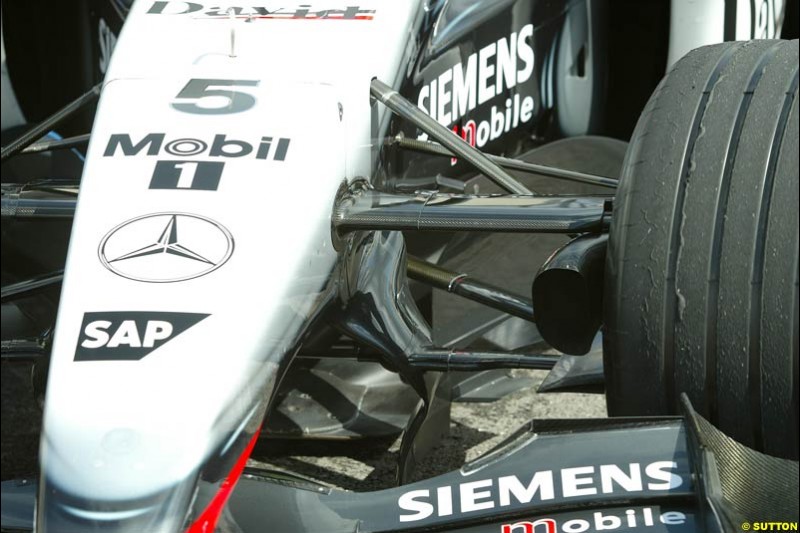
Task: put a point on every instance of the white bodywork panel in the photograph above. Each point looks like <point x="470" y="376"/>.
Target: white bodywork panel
<point x="256" y="223"/>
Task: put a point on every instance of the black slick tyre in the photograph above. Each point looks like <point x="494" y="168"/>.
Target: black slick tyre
<point x="701" y="292"/>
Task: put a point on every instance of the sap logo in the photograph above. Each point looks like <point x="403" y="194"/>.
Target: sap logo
<point x="542" y="486"/>
<point x="129" y="335"/>
<point x="221" y="146"/>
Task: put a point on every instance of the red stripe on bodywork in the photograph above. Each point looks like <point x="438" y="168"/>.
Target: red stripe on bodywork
<point x="208" y="520"/>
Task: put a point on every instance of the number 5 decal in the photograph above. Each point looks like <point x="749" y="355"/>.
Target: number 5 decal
<point x="221" y="101"/>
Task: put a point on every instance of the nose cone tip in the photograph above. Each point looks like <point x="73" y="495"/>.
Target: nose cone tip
<point x="62" y="510"/>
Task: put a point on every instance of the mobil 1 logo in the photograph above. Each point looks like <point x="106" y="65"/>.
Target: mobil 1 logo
<point x="187" y="173"/>
<point x="178" y="174"/>
<point x="129" y="335"/>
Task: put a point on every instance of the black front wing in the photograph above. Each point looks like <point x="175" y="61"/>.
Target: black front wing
<point x="649" y="474"/>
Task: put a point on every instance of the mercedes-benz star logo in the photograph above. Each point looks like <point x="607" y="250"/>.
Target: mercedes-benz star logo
<point x="166" y="247"/>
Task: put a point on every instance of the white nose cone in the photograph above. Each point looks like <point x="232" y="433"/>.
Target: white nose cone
<point x="200" y="249"/>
